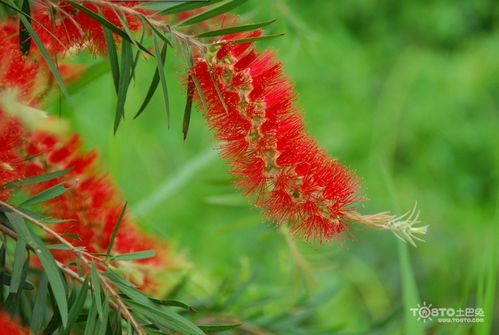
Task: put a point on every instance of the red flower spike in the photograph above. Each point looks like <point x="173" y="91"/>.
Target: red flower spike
<point x="16" y="70"/>
<point x="265" y="142"/>
<point x="74" y="29"/>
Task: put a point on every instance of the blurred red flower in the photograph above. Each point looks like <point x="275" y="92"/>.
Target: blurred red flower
<point x="9" y="326"/>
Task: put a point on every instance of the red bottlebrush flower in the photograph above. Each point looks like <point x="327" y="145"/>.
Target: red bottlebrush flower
<point x="16" y="70"/>
<point x="93" y="204"/>
<point x="251" y="110"/>
<point x="9" y="326"/>
<point x="27" y="75"/>
<point x="10" y="161"/>
<point x="74" y="29"/>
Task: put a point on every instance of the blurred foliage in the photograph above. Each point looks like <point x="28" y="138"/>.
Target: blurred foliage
<point x="405" y="93"/>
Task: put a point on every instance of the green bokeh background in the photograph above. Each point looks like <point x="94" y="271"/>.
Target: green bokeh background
<point x="404" y="93"/>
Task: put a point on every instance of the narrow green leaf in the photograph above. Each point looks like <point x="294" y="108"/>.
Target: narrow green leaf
<point x="97" y="291"/>
<point x="217" y="329"/>
<point x="249" y="40"/>
<point x="5" y="279"/>
<point x="161" y="71"/>
<point x="45" y="54"/>
<point x="134" y="255"/>
<point x="149" y="95"/>
<point x="24" y="36"/>
<point x="53" y="325"/>
<point x="409" y="291"/>
<point x="63" y="247"/>
<point x="153" y="86"/>
<point x="156" y="31"/>
<point x="115" y="29"/>
<point x="40" y="178"/>
<point x="116" y="327"/>
<point x="236" y="29"/>
<point x="188" y="106"/>
<point x="173" y="303"/>
<point x="50" y="193"/>
<point x="75" y="236"/>
<point x="41" y="218"/>
<point x="166" y="319"/>
<point x="115" y="229"/>
<point x="25" y="300"/>
<point x="184" y="7"/>
<point x="124" y="82"/>
<point x="410" y="295"/>
<point x="217" y="88"/>
<point x="11" y="304"/>
<point x="129" y="289"/>
<point x="137" y="55"/>
<point x="18" y="266"/>
<point x="200" y="92"/>
<point x="58" y="247"/>
<point x="91" y="320"/>
<point x="118" y="280"/>
<point x="212" y="12"/>
<point x="102" y="254"/>
<point x="102" y="325"/>
<point x="151" y="331"/>
<point x="77" y="306"/>
<point x="124" y="23"/>
<point x="112" y="56"/>
<point x="52" y="271"/>
<point x="40" y="306"/>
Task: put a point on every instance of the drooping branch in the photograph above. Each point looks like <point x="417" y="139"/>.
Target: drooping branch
<point x="251" y="109"/>
<point x="116" y="303"/>
<point x="146" y="19"/>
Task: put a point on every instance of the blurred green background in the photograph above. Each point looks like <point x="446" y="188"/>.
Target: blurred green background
<point x="406" y="93"/>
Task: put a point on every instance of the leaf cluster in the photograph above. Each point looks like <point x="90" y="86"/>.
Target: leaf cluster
<point x="91" y="296"/>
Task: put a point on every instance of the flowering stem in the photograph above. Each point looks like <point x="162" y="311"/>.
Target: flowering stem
<point x="117" y="303"/>
<point x="164" y="27"/>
